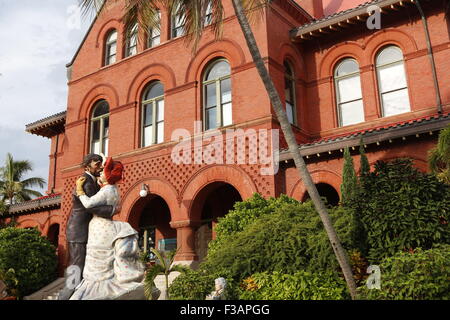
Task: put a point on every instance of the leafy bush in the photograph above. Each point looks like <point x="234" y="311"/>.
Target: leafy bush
<point x="301" y="285"/>
<point x="288" y="238"/>
<point x="197" y="284"/>
<point x="28" y="261"/>
<point x="245" y="213"/>
<point x="417" y="275"/>
<point x="402" y="208"/>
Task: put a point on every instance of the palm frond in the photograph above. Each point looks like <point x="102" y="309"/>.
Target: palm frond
<point x="253" y="9"/>
<point x="149" y="281"/>
<point x="34" y="181"/>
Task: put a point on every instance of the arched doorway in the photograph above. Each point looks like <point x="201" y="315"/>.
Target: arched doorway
<point x="53" y="234"/>
<point x="326" y="191"/>
<point x="212" y="202"/>
<point x="151" y="217"/>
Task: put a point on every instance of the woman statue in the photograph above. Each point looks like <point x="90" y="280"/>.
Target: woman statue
<point x="112" y="269"/>
<point x="219" y="292"/>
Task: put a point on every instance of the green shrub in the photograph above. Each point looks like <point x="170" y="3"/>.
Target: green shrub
<point x="287" y="239"/>
<point x="402" y="208"/>
<point x="418" y="275"/>
<point x="197" y="284"/>
<point x="301" y="285"/>
<point x="27" y="260"/>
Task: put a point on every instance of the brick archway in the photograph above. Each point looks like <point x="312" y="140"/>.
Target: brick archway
<point x="234" y="176"/>
<point x="319" y="176"/>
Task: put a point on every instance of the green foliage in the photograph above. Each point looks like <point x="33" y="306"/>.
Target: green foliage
<point x="439" y="157"/>
<point x="301" y="285"/>
<point x="3" y="207"/>
<point x="349" y="179"/>
<point x="402" y="208"/>
<point x="243" y="214"/>
<point x="28" y="261"/>
<point x="13" y="188"/>
<point x="197" y="284"/>
<point x="289" y="238"/>
<point x="163" y="266"/>
<point x="418" y="275"/>
<point x="364" y="169"/>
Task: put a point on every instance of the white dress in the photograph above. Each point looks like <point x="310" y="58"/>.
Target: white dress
<point x="112" y="269"/>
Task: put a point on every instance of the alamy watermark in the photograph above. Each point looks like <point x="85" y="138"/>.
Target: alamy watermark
<point x="229" y="146"/>
<point x="374" y="20"/>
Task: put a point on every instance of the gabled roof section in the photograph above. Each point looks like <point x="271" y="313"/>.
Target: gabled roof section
<point x="48" y="127"/>
<point x="52" y="201"/>
<point x="345" y="19"/>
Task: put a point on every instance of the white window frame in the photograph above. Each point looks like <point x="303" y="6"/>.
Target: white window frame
<point x="218" y="82"/>
<point x="154" y="34"/>
<point x="177" y="23"/>
<point x="386" y="66"/>
<point x="339" y="103"/>
<point x="154" y="105"/>
<point x="132" y="34"/>
<point x="104" y="141"/>
<point x="291" y="79"/>
<point x="110" y="58"/>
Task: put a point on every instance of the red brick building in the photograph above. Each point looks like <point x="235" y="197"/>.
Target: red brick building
<point x="341" y="81"/>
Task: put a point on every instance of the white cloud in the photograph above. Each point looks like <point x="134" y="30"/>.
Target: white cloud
<point x="37" y="43"/>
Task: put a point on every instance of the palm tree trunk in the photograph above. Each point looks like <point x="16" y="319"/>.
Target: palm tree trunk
<point x="339" y="251"/>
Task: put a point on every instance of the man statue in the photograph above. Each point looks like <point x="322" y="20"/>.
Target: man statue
<point x="78" y="223"/>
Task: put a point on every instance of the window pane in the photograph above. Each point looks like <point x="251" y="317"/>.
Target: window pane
<point x="389" y="55"/>
<point x="349" y="89"/>
<point x="100" y="109"/>
<point x="396" y="102"/>
<point x="148" y="136"/>
<point x="112" y="37"/>
<point x="290" y="112"/>
<point x="160" y="110"/>
<point x="96" y="130"/>
<point x="227" y="114"/>
<point x="226" y="90"/>
<point x="220" y="69"/>
<point x="392" y="77"/>
<point x="211" y="118"/>
<point x="352" y="113"/>
<point x="156" y="90"/>
<point x="288" y="91"/>
<point x="148" y="114"/>
<point x="96" y="147"/>
<point x="105" y="146"/>
<point x="160" y="132"/>
<point x="211" y="97"/>
<point x="347" y="67"/>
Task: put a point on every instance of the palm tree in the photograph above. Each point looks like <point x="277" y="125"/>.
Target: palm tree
<point x="439" y="157"/>
<point x="12" y="188"/>
<point x="144" y="12"/>
<point x="164" y="266"/>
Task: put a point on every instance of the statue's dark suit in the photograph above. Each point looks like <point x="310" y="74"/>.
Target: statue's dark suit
<point x="78" y="227"/>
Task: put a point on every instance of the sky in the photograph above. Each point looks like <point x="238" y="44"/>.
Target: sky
<point x="37" y="40"/>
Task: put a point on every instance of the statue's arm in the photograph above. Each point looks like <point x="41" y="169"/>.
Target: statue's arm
<point x="104" y="211"/>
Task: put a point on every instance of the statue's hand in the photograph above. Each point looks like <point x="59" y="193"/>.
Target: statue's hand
<point x="80" y="183"/>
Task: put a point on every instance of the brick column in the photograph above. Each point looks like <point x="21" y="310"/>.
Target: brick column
<point x="186" y="239"/>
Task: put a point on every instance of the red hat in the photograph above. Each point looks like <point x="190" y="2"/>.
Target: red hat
<point x="113" y="171"/>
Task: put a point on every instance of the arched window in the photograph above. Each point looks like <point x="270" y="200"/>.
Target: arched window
<point x="132" y="41"/>
<point x="154" y="34"/>
<point x="177" y="23"/>
<point x="100" y="128"/>
<point x="208" y="14"/>
<point x="153" y="114"/>
<point x="289" y="90"/>
<point x="111" y="48"/>
<point x="217" y="110"/>
<point x="348" y="93"/>
<point x="392" y="83"/>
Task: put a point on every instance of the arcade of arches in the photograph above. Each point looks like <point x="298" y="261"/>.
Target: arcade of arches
<point x="151" y="216"/>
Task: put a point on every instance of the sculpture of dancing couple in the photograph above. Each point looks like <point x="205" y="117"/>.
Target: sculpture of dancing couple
<point x="105" y="252"/>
